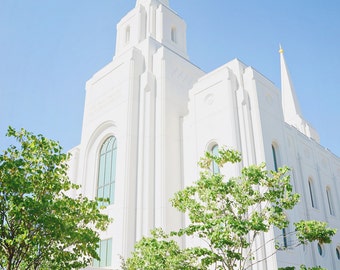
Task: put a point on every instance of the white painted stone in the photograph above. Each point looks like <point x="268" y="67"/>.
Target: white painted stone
<point x="165" y="113"/>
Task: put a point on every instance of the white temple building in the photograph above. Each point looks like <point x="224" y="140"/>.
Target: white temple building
<point x="150" y="114"/>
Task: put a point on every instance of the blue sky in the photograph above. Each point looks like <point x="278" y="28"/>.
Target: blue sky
<point x="50" y="48"/>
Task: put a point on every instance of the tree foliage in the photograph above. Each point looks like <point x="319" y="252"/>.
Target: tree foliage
<point x="228" y="215"/>
<point x="311" y="230"/>
<point x="160" y="252"/>
<point x="41" y="227"/>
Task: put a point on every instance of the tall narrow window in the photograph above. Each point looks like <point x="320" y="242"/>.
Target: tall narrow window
<point x="173" y="34"/>
<point x="215" y="168"/>
<point x="330" y="201"/>
<point x="337" y="250"/>
<point x="275" y="157"/>
<point x="107" y="169"/>
<point x="105" y="253"/>
<point x="321" y="249"/>
<point x="127" y="34"/>
<point x="285" y="237"/>
<point x="312" y="193"/>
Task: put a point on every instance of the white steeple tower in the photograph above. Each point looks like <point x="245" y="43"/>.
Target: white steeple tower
<point x="152" y="21"/>
<point x="139" y="99"/>
<point x="290" y="106"/>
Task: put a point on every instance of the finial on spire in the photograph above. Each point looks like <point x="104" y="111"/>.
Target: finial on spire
<point x="280" y="50"/>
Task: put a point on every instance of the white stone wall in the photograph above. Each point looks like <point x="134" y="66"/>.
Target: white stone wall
<point x="165" y="113"/>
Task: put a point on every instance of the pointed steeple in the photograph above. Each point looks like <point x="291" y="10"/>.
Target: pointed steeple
<point x="290" y="104"/>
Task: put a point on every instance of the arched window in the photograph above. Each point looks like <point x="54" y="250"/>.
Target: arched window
<point x="312" y="193"/>
<point x="107" y="169"/>
<point x="275" y="153"/>
<point x="215" y="169"/>
<point x="337" y="250"/>
<point x="321" y="249"/>
<point x="330" y="201"/>
<point x="173" y="34"/>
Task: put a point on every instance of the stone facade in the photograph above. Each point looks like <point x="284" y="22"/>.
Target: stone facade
<point x="164" y="113"/>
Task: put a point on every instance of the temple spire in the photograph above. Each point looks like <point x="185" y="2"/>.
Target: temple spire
<point x="290" y="104"/>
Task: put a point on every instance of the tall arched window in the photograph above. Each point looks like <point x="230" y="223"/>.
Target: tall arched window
<point x="330" y="201"/>
<point x="312" y="193"/>
<point x="321" y="249"/>
<point x="337" y="251"/>
<point x="275" y="157"/>
<point x="215" y="168"/>
<point x="107" y="169"/>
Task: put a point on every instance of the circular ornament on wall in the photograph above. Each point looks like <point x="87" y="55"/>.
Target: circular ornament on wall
<point x="209" y="99"/>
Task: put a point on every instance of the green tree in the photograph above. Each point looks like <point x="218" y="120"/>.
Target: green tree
<point x="229" y="215"/>
<point x="41" y="227"/>
<point x="159" y="252"/>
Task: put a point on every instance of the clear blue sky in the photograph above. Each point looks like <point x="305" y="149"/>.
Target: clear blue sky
<point x="50" y="48"/>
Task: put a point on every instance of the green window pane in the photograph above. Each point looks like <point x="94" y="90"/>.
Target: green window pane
<point x="109" y="145"/>
<point x="101" y="171"/>
<point x="215" y="168"/>
<point x="104" y="147"/>
<point x="114" y="161"/>
<point x="106" y="194"/>
<point x="112" y="192"/>
<point x="107" y="169"/>
<point x="109" y="252"/>
<point x="100" y="192"/>
<point x="103" y="253"/>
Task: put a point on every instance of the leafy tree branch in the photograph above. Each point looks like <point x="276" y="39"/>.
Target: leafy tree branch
<point x="41" y="227"/>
